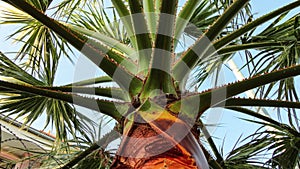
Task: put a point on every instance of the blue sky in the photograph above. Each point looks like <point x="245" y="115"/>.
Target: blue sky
<point x="232" y="126"/>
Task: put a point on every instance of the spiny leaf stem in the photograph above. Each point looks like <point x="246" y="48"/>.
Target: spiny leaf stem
<point x="97" y="56"/>
<point x="160" y="70"/>
<point x="196" y="53"/>
<point x="207" y="100"/>
<point x="103" y="106"/>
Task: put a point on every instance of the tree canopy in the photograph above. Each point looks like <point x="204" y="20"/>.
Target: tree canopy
<point x="153" y="54"/>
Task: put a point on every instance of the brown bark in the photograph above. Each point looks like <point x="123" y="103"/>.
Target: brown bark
<point x="162" y="143"/>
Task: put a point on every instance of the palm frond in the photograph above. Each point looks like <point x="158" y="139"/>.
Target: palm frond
<point x="279" y="56"/>
<point x="235" y="39"/>
<point x="94" y="17"/>
<point x="41" y="48"/>
<point x="196" y="53"/>
<point x="96" y="55"/>
<point x="63" y="115"/>
<point x="228" y="91"/>
<point x="284" y="144"/>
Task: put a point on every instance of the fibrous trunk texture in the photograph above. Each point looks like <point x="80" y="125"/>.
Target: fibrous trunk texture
<point x="161" y="143"/>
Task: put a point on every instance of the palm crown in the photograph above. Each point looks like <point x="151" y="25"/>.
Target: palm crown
<point x="135" y="43"/>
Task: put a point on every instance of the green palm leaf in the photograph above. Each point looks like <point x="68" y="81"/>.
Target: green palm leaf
<point x="41" y="47"/>
<point x="30" y="107"/>
<point x="139" y="55"/>
<point x="284" y="144"/>
<point x="279" y="56"/>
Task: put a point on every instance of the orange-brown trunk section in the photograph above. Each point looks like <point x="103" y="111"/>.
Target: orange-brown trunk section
<point x="145" y="147"/>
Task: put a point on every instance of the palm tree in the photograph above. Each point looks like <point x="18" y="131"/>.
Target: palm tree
<point x="136" y="44"/>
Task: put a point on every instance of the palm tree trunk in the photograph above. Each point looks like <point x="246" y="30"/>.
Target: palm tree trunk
<point x="162" y="143"/>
